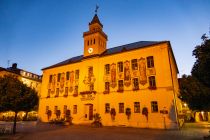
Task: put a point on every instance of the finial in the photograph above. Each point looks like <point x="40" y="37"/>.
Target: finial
<point x="96" y="10"/>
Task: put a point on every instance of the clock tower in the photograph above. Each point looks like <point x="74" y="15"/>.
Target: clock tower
<point x="95" y="39"/>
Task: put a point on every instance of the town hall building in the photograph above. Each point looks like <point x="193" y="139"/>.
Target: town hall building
<point x="130" y="85"/>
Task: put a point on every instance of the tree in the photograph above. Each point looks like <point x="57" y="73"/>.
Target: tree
<point x="195" y="89"/>
<point x="16" y="96"/>
<point x="201" y="68"/>
<point x="194" y="93"/>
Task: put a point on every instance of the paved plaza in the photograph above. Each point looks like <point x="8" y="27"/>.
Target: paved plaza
<point x="33" y="131"/>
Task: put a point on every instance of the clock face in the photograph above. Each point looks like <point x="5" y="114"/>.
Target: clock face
<point x="90" y="50"/>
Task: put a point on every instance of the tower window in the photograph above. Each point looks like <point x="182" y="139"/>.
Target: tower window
<point x="91" y="42"/>
<point x="88" y="43"/>
<point x="94" y="41"/>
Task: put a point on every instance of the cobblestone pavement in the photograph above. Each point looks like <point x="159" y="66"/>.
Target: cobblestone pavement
<point x="31" y="131"/>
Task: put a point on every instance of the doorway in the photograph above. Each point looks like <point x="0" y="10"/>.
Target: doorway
<point x="88" y="112"/>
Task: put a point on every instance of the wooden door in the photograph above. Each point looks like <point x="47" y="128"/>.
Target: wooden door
<point x="90" y="112"/>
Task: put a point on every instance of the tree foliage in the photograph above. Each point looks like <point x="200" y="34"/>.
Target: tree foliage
<point x="194" y="93"/>
<point x="16" y="96"/>
<point x="195" y="89"/>
<point x="201" y="68"/>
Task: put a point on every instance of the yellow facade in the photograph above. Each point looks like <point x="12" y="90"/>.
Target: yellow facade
<point x="119" y="79"/>
<point x="30" y="79"/>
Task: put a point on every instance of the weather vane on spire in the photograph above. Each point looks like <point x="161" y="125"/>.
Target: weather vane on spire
<point x="96" y="10"/>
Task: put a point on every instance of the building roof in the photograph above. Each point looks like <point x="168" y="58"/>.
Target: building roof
<point x="95" y="20"/>
<point x="17" y="71"/>
<point x="111" y="51"/>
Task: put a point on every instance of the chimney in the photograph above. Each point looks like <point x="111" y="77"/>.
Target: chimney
<point x="14" y="65"/>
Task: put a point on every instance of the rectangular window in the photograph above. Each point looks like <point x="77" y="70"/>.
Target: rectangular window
<point x="59" y="77"/>
<point x="136" y="107"/>
<point x="75" y="109"/>
<point x="57" y="92"/>
<point x="150" y="62"/>
<point x="67" y="75"/>
<point x="107" y="108"/>
<point x="77" y="74"/>
<point x="66" y="91"/>
<point x="134" y="64"/>
<point x="152" y="82"/>
<point x="64" y="109"/>
<point x="49" y="91"/>
<point x="107" y="69"/>
<point x="106" y="86"/>
<point x="50" y="79"/>
<point x="120" y="66"/>
<point x="76" y="90"/>
<point x="121" y="107"/>
<point x="135" y="84"/>
<point x="47" y="109"/>
<point x="154" y="106"/>
<point x="55" y="109"/>
<point x="120" y="85"/>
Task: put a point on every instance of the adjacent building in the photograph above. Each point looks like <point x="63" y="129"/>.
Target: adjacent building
<point x="130" y="85"/>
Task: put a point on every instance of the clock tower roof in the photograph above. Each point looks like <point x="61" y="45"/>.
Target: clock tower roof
<point x="95" y="20"/>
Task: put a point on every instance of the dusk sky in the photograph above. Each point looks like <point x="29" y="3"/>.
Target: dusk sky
<point x="39" y="33"/>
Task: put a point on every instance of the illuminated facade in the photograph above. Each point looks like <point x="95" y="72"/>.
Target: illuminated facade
<point x="30" y="79"/>
<point x="130" y="85"/>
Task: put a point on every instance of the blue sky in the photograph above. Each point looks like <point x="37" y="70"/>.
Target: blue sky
<point x="39" y="33"/>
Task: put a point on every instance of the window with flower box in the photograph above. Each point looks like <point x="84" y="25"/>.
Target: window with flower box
<point x="135" y="84"/>
<point x="134" y="64"/>
<point x="120" y="66"/>
<point x="152" y="82"/>
<point x="150" y="62"/>
<point x="107" y="85"/>
<point x="107" y="69"/>
<point x="120" y="86"/>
